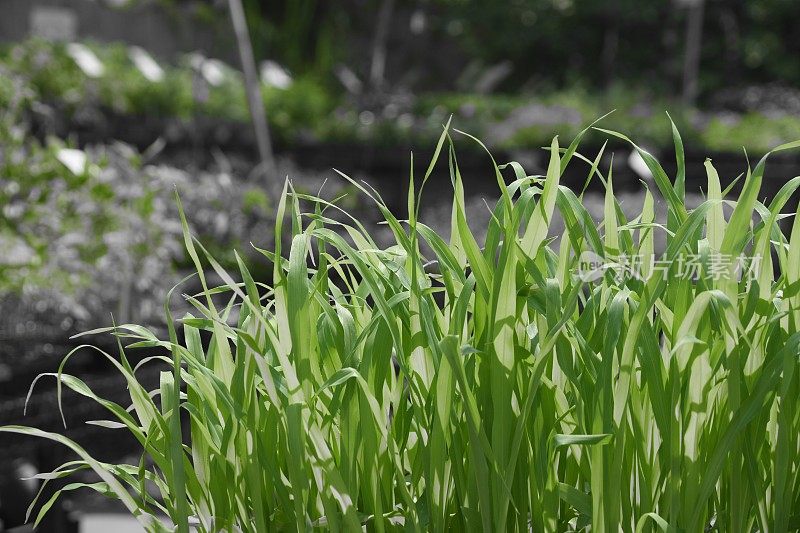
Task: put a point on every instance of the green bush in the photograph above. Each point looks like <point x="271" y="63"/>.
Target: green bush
<point x="126" y="90"/>
<point x="523" y="383"/>
<point x="753" y="130"/>
<point x="304" y="107"/>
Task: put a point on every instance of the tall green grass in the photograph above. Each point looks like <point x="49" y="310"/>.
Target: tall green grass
<point x="438" y="384"/>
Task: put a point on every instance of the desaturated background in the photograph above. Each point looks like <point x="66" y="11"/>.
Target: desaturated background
<point x="108" y="107"/>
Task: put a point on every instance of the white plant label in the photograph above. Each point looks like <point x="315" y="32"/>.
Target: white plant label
<point x="274" y="75"/>
<point x="213" y="71"/>
<point x="73" y="159"/>
<point x="148" y="66"/>
<point x="86" y="60"/>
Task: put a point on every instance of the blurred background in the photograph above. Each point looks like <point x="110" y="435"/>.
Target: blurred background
<point x="107" y="107"/>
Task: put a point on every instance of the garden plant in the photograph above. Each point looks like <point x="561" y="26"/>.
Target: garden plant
<point x="540" y="381"/>
<point x="83" y="231"/>
<point x="314" y="111"/>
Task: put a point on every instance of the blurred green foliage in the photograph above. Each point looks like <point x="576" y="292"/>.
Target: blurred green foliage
<point x="553" y="43"/>
<point x="183" y="92"/>
<point x="304" y="35"/>
<point x="310" y="110"/>
<point x="85" y="232"/>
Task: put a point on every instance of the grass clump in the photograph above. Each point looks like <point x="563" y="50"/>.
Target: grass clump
<point x="503" y="387"/>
